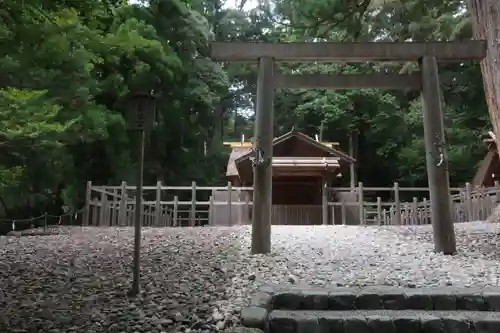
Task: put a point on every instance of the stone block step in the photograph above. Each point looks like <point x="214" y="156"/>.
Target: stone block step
<point x="382" y="321"/>
<point x="377" y="298"/>
<point x="293" y="309"/>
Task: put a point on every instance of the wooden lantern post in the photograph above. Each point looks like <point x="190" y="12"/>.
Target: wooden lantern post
<point x="140" y="118"/>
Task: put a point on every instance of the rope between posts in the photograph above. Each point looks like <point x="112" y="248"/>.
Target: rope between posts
<point x="45" y="216"/>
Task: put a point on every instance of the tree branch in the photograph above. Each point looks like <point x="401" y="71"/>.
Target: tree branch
<point x="359" y="8"/>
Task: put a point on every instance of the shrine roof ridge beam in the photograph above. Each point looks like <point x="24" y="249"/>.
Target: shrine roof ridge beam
<point x="349" y="52"/>
<point x="389" y="81"/>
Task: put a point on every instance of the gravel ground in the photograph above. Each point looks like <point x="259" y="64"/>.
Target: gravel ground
<point x="197" y="279"/>
<point x="78" y="281"/>
<point x="360" y="256"/>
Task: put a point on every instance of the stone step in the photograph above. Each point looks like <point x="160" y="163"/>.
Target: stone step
<point x="276" y="309"/>
<point x="378" y="297"/>
<point x="382" y="321"/>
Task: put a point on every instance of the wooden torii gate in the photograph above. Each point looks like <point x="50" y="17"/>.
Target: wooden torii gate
<point x="427" y="54"/>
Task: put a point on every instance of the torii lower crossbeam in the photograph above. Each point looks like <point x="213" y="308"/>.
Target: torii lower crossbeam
<point x="353" y="81"/>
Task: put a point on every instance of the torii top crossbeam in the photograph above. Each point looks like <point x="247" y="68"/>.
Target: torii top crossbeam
<point x="351" y="52"/>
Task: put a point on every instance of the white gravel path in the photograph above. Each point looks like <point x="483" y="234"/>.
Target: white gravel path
<point x="358" y="256"/>
<point x="196" y="279"/>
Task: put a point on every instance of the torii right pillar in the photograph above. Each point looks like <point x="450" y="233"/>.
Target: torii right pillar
<point x="436" y="159"/>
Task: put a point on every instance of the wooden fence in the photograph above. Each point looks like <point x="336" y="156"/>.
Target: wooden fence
<point x="468" y="204"/>
<point x="194" y="205"/>
<point x="115" y="205"/>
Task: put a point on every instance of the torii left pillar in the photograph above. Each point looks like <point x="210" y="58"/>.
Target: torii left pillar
<point x="263" y="172"/>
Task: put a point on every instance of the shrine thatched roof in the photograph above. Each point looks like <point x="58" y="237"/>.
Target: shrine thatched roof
<point x="242" y="151"/>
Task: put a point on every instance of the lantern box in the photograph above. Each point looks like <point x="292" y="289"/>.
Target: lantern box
<point x="141" y="112"/>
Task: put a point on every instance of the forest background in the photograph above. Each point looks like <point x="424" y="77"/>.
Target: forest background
<point x="66" y="68"/>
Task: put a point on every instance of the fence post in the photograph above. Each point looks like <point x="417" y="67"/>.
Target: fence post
<point x="102" y="203"/>
<point x="230" y="202"/>
<point x="239" y="206"/>
<point x="415" y="211"/>
<point x="361" y="204"/>
<point x="176" y="212"/>
<point x="211" y="210"/>
<point x="324" y="202"/>
<point x="425" y="211"/>
<point x="468" y="201"/>
<point x="45" y="226"/>
<point x="497" y="196"/>
<point x="158" y="204"/>
<point x="397" y="203"/>
<point x="247" y="208"/>
<point x="481" y="202"/>
<point x="476" y="203"/>
<point x="333" y="212"/>
<point x="343" y="212"/>
<point x="88" y="197"/>
<point x="111" y="214"/>
<point x="379" y="210"/>
<point x="115" y="208"/>
<point x="166" y="216"/>
<point x="122" y="216"/>
<point x="407" y="216"/>
<point x="107" y="211"/>
<point x="192" y="214"/>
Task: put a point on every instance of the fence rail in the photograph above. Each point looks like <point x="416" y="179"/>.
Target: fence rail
<point x="177" y="206"/>
<point x="73" y="218"/>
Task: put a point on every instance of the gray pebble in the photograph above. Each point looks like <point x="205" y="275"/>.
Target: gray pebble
<point x="186" y="273"/>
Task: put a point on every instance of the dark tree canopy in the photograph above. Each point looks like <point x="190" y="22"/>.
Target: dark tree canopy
<point x="67" y="66"/>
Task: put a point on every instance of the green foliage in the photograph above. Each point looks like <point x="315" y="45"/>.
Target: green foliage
<point x="27" y="115"/>
<point x="388" y="123"/>
<point x="65" y="80"/>
<point x="66" y="68"/>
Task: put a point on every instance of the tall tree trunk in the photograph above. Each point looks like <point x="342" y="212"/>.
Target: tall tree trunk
<point x="4" y="210"/>
<point x="217" y="134"/>
<point x="485" y="16"/>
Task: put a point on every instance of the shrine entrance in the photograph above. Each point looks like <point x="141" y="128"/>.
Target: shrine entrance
<point x="427" y="54"/>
